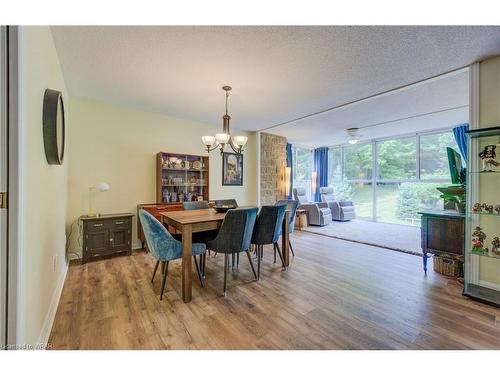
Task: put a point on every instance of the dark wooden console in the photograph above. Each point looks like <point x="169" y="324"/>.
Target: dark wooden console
<point x="442" y="234"/>
<point x="106" y="235"/>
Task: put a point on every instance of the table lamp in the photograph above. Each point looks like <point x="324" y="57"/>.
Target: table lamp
<point x="102" y="187"/>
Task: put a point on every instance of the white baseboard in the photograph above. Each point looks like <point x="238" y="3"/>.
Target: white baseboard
<point x="490" y="285"/>
<point x="51" y="314"/>
<point x="137" y="245"/>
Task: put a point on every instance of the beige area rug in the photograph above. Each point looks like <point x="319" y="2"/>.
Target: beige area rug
<point x="402" y="238"/>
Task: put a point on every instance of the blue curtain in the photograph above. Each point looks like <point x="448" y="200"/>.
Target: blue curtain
<point x="289" y="163"/>
<point x="321" y="168"/>
<point x="460" y="135"/>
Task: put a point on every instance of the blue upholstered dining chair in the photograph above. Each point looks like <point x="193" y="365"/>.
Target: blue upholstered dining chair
<point x="267" y="231"/>
<point x="291" y="205"/>
<point x="164" y="248"/>
<point x="235" y="235"/>
<point x="195" y="205"/>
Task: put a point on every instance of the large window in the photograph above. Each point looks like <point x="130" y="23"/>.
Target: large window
<point x="358" y="162"/>
<point x="391" y="180"/>
<point x="303" y="164"/>
<point x="396" y="159"/>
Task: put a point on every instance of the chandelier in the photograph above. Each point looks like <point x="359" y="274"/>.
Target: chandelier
<point x="221" y="140"/>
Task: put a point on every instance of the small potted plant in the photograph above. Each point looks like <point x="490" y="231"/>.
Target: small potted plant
<point x="454" y="194"/>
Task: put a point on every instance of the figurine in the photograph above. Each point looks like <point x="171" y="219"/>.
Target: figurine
<point x="488" y="156"/>
<point x="495" y="246"/>
<point x="478" y="237"/>
<point x="477" y="208"/>
<point x="497" y="209"/>
<point x="488" y="208"/>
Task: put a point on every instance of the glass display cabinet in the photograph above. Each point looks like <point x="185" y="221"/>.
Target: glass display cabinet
<point x="181" y="178"/>
<point x="482" y="242"/>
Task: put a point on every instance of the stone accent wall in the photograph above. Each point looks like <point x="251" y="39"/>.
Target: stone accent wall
<point x="272" y="168"/>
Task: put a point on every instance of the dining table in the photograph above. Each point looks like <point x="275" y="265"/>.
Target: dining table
<point x="193" y="221"/>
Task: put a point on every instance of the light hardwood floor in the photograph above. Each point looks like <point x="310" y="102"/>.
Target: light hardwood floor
<point x="335" y="295"/>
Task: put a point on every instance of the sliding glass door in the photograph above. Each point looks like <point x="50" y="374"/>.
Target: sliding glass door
<point x="390" y="180"/>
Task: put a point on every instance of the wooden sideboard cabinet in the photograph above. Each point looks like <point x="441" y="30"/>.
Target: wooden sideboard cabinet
<point x="442" y="233"/>
<point x="106" y="235"/>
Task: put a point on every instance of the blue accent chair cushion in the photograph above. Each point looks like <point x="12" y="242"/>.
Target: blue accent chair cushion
<point x="235" y="233"/>
<point x="160" y="242"/>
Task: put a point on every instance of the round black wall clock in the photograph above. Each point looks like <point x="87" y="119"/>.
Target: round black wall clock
<point x="54" y="128"/>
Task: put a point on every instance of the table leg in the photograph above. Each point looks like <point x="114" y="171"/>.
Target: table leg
<point x="187" y="253"/>
<point x="285" y="238"/>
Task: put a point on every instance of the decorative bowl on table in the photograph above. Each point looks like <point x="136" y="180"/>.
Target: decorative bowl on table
<point x="224" y="208"/>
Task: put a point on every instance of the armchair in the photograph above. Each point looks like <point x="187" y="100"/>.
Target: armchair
<point x="317" y="213"/>
<point x="341" y="210"/>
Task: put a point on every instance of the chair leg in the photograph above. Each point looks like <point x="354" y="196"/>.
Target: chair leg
<point x="156" y="268"/>
<point x="237" y="260"/>
<point x="291" y="248"/>
<point x="251" y="264"/>
<point x="198" y="271"/>
<point x="274" y="260"/>
<point x="258" y="261"/>
<point x="277" y="247"/>
<point x="226" y="266"/>
<point x="204" y="263"/>
<point x="165" y="267"/>
<point x="233" y="256"/>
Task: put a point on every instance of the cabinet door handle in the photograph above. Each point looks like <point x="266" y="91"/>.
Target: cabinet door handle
<point x="98" y="225"/>
<point x="118" y="222"/>
<point x="110" y="240"/>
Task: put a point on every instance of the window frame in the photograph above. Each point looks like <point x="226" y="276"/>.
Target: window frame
<point x="294" y="169"/>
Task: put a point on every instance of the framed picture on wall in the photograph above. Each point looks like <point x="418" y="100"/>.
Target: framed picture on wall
<point x="232" y="169"/>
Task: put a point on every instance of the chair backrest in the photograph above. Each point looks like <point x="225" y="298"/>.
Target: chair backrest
<point x="299" y="194"/>
<point x="226" y="202"/>
<point x="326" y="194"/>
<point x="268" y="224"/>
<point x="160" y="242"/>
<point x="235" y="233"/>
<point x="195" y="205"/>
<point x="291" y="205"/>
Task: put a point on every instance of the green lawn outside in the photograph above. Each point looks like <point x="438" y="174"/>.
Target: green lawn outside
<point x="387" y="195"/>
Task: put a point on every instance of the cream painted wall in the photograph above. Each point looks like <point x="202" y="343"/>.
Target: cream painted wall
<point x="43" y="191"/>
<point x="489" y="116"/>
<point x="118" y="145"/>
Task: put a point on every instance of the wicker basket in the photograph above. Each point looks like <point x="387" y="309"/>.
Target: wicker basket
<point x="447" y="266"/>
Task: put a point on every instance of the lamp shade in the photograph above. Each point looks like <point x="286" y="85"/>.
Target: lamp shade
<point x="314" y="176"/>
<point x="288" y="172"/>
<point x="208" y="140"/>
<point x="222" y="137"/>
<point x="240" y="140"/>
<point x="103" y="187"/>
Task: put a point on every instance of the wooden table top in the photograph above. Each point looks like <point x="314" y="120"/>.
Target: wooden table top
<point x="194" y="216"/>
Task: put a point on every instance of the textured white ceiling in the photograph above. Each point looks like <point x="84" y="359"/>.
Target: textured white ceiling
<point x="433" y="104"/>
<point x="277" y="73"/>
